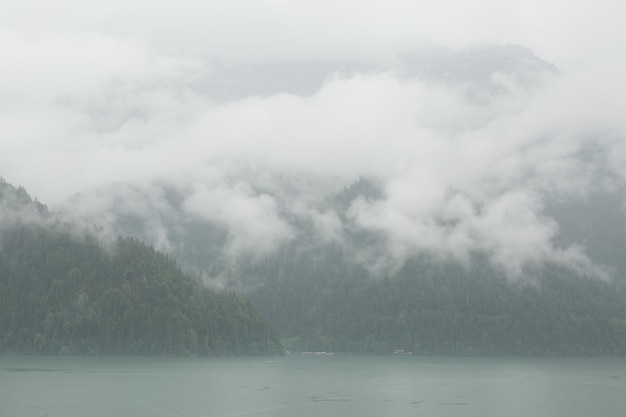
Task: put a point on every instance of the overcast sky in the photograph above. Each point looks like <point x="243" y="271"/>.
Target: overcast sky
<point x="559" y="30"/>
<point x="99" y="92"/>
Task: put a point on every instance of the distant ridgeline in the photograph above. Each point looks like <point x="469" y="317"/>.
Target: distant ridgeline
<point x="62" y="292"/>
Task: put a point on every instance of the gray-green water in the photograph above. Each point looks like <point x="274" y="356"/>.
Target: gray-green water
<point x="311" y="386"/>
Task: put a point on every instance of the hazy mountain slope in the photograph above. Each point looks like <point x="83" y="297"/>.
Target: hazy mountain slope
<point x="348" y="293"/>
<point x="62" y="291"/>
<point x="485" y="72"/>
<point x="481" y="71"/>
<point x="598" y="222"/>
<point x="435" y="307"/>
<point x="340" y="297"/>
<point x="480" y="166"/>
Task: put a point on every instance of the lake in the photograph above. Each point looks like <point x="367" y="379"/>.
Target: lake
<point x="363" y="386"/>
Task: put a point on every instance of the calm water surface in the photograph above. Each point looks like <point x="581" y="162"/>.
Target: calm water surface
<point x="311" y="386"/>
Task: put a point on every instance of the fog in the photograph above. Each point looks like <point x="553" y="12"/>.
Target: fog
<point x="252" y="113"/>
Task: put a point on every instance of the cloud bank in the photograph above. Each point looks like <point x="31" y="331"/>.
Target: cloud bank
<point x="190" y="97"/>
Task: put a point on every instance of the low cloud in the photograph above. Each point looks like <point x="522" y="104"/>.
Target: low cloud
<point x="103" y="114"/>
<point x="253" y="223"/>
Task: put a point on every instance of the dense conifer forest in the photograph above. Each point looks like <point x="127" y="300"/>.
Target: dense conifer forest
<point x="63" y="292"/>
<point x="434" y="308"/>
<point x="322" y="298"/>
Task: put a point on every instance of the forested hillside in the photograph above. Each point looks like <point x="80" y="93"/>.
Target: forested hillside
<point x="62" y="292"/>
<point x="335" y="297"/>
<point x="430" y="307"/>
<point x="344" y="292"/>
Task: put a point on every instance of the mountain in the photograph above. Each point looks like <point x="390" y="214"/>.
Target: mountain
<point x="493" y="225"/>
<point x="347" y="295"/>
<point x="480" y="71"/>
<point x="435" y="307"/>
<point x="336" y="297"/>
<point x="65" y="291"/>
